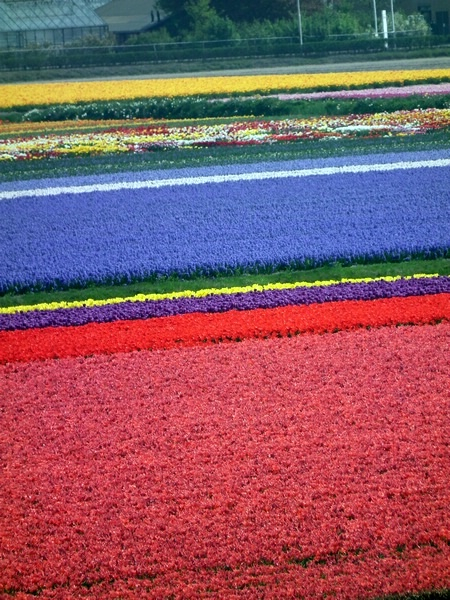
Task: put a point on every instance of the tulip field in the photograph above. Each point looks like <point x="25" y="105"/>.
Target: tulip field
<point x="224" y="340"/>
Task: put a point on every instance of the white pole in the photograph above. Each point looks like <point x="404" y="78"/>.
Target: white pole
<point x="300" y="31"/>
<point x="375" y="16"/>
<point x="385" y="27"/>
<point x="393" y="17"/>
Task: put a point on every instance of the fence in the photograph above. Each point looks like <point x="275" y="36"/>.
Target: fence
<point x="76" y="57"/>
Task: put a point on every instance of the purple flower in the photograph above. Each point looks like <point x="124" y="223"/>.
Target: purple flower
<point x="224" y="302"/>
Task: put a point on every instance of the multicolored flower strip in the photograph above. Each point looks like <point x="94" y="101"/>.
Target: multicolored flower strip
<point x="196" y="328"/>
<point x="215" y="303"/>
<point x="26" y="127"/>
<point x="143" y="138"/>
<point x="85" y="91"/>
<point x="201" y="293"/>
<point x="317" y="464"/>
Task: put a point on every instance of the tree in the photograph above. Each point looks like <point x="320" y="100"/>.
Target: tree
<point x="329" y="22"/>
<point x="242" y="10"/>
<point x="249" y="10"/>
<point x="227" y="19"/>
<point x="410" y="24"/>
<point x="199" y="20"/>
<point x="200" y="14"/>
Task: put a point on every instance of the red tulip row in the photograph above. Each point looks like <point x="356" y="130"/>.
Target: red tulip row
<point x="193" y="329"/>
<point x="306" y="467"/>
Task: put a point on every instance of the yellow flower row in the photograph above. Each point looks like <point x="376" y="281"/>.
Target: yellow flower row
<point x="201" y="293"/>
<point x="84" y="91"/>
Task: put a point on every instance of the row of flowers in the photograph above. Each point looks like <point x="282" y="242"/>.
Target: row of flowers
<point x="379" y="92"/>
<point x="316" y="464"/>
<point x="217" y="303"/>
<point x="203" y="292"/>
<point x="258" y="221"/>
<point x="145" y="137"/>
<point x="196" y="328"/>
<point x="85" y="91"/>
<point x="387" y="92"/>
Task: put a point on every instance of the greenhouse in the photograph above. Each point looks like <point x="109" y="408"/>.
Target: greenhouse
<point x="27" y="23"/>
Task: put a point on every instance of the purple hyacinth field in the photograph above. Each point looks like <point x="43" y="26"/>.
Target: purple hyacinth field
<point x="253" y="220"/>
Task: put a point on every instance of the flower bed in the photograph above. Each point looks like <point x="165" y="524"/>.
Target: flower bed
<point x="314" y="464"/>
<point x="51" y="93"/>
<point x="416" y="284"/>
<point x="215" y="303"/>
<point x="384" y="92"/>
<point x="196" y="328"/>
<point x="249" y="440"/>
<point x="252" y="221"/>
<point x="147" y="138"/>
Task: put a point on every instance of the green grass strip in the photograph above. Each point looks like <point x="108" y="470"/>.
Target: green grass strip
<point x="335" y="272"/>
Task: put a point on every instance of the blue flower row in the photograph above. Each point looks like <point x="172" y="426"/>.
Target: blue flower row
<point x="132" y="234"/>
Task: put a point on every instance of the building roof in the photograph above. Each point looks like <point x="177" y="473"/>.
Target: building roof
<point x="96" y="3"/>
<point x="26" y="15"/>
<point x="130" y="16"/>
